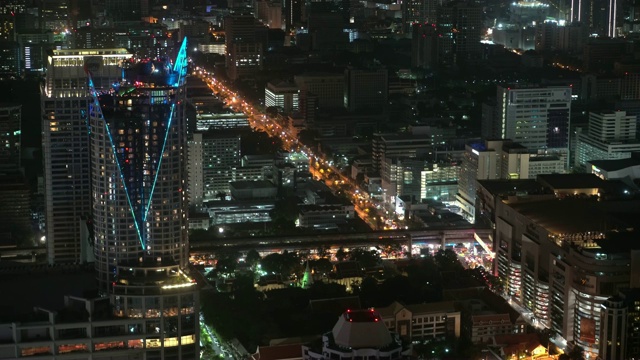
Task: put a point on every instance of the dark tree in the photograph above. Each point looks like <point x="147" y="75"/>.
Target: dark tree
<point x="341" y="254"/>
<point x="366" y="258"/>
<point x="447" y="260"/>
<point x="253" y="257"/>
<point x="322" y="265"/>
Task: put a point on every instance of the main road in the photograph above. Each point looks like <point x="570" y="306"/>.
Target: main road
<point x="258" y="120"/>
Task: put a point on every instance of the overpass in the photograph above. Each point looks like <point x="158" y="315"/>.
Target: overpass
<point x="298" y="242"/>
<point x="13" y="253"/>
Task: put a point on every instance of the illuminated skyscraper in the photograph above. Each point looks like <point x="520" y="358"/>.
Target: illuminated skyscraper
<point x="138" y="171"/>
<point x="65" y="138"/>
<point x="138" y="139"/>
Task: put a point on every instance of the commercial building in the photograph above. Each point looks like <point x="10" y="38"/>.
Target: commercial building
<point x="244" y="46"/>
<point x="562" y="259"/>
<point x="10" y="134"/>
<point x="616" y="169"/>
<point x="399" y="145"/>
<point x="610" y="136"/>
<point x="328" y="89"/>
<point x="87" y="329"/>
<point x="139" y="220"/>
<point x="419" y="179"/>
<point x="537" y="118"/>
<point x="366" y="90"/>
<point x="499" y="159"/>
<point x="283" y="95"/>
<point x="65" y="139"/>
<point x="220" y="156"/>
<point x="424" y="46"/>
<point x="460" y="30"/>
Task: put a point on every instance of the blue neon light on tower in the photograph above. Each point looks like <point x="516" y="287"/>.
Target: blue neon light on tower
<point x="138" y="164"/>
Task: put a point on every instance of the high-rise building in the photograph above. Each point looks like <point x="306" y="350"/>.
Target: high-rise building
<point x="283" y="95"/>
<point x="269" y="12"/>
<point x="326" y="28"/>
<point x="481" y="161"/>
<point x="54" y="15"/>
<point x="125" y="10"/>
<point x="563" y="258"/>
<point x="245" y="46"/>
<point x="418" y="12"/>
<point x="294" y="13"/>
<point x="613" y="342"/>
<point x="10" y="134"/>
<point x="328" y="88"/>
<point x="9" y="58"/>
<point x="138" y="171"/>
<point x="220" y="157"/>
<point x="65" y="138"/>
<point x="537" y="118"/>
<point x="499" y="159"/>
<point x="460" y="24"/>
<point x="601" y="16"/>
<point x="424" y="46"/>
<point x="419" y="178"/>
<point x="138" y="153"/>
<point x="611" y="135"/>
<point x="366" y="90"/>
<point x="195" y="187"/>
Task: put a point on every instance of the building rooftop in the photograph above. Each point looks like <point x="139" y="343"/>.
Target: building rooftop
<point x="45" y="287"/>
<point x="575" y="215"/>
<point x="417" y="309"/>
<point x="243" y="185"/>
<point x="501" y="187"/>
<point x="614" y="165"/>
<point x="361" y="329"/>
<point x="279" y="352"/>
<point x="571" y="181"/>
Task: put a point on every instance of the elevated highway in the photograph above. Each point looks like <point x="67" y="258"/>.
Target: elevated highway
<point x="298" y="242"/>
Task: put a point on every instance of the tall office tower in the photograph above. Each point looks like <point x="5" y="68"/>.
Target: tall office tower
<point x="244" y="46"/>
<point x="138" y="171"/>
<point x="10" y="58"/>
<point x="269" y="13"/>
<point x="124" y="10"/>
<point x="294" y="13"/>
<point x="418" y="12"/>
<point x="613" y="329"/>
<point x="611" y="135"/>
<point x="603" y="17"/>
<point x="7" y="27"/>
<point x="366" y="90"/>
<point x="424" y="46"/>
<point x="328" y="88"/>
<point x="10" y="135"/>
<point x="481" y="161"/>
<point x="326" y="28"/>
<point x="220" y="157"/>
<point x="195" y="174"/>
<point x="65" y="138"/>
<point x="54" y="15"/>
<point x="460" y="24"/>
<point x="138" y="153"/>
<point x="537" y="118"/>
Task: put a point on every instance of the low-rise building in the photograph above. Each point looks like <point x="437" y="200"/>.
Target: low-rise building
<point x="422" y="321"/>
<point x="616" y="169"/>
<point x="358" y="334"/>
